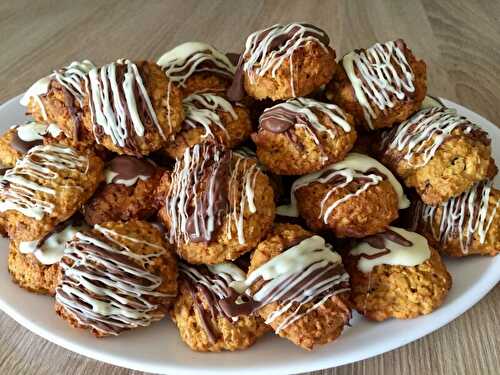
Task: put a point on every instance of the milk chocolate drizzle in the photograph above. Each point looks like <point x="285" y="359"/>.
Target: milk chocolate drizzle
<point x="265" y="50"/>
<point x="465" y="217"/>
<point x="129" y="168"/>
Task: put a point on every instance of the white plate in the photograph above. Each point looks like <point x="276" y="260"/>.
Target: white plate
<point x="158" y="348"/>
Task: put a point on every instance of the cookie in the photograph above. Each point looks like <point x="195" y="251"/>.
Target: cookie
<point x="128" y="191"/>
<point x="46" y="187"/>
<point x="466" y="225"/>
<point x="116" y="277"/>
<point x="439" y="153"/>
<point x="283" y="62"/>
<point x="58" y="98"/>
<point x="395" y="274"/>
<point x="199" y="310"/>
<point x="353" y="198"/>
<point x="299" y="286"/>
<point x="131" y="107"/>
<point x="380" y="86"/>
<point x="210" y="117"/>
<point x="216" y="205"/>
<point x="197" y="67"/>
<point x="303" y="135"/>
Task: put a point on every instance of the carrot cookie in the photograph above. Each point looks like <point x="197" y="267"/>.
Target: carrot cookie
<point x="198" y="67"/>
<point x="466" y="225"/>
<point x="381" y="85"/>
<point x="58" y="98"/>
<point x="303" y="135"/>
<point x="210" y="117"/>
<point x="216" y="205"/>
<point x="395" y="274"/>
<point x="439" y="153"/>
<point x="298" y="285"/>
<point x="282" y="62"/>
<point x="34" y="265"/>
<point x="132" y="108"/>
<point x="200" y="310"/>
<point x="128" y="192"/>
<point x="116" y="277"/>
<point x="46" y="187"/>
<point x="353" y="198"/>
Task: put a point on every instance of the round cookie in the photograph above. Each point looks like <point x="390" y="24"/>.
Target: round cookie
<point x="438" y="153"/>
<point x="148" y="113"/>
<point x="303" y="135"/>
<point x="380" y="86"/>
<point x="126" y="259"/>
<point x="197" y="67"/>
<point x="216" y="204"/>
<point x="46" y="187"/>
<point x="34" y="265"/>
<point x="128" y="192"/>
<point x="466" y="225"/>
<point x="353" y="198"/>
<point x="199" y="312"/>
<point x="282" y="62"/>
<point x="58" y="98"/>
<point x="312" y="312"/>
<point x="395" y="274"/>
<point x="210" y="117"/>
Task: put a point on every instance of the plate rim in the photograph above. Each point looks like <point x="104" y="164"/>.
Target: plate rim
<point x="442" y="317"/>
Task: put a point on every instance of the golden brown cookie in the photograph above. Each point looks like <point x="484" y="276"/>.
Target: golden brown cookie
<point x="46" y="187"/>
<point x="128" y="191"/>
<point x="216" y="205"/>
<point x="210" y="117"/>
<point x="303" y="135"/>
<point x="438" y="153"/>
<point x="282" y="62"/>
<point x="148" y="113"/>
<point x="58" y="98"/>
<point x="127" y="259"/>
<point x="312" y="312"/>
<point x="396" y="274"/>
<point x="353" y="198"/>
<point x="197" y="67"/>
<point x="199" y="311"/>
<point x="466" y="225"/>
<point x="381" y="85"/>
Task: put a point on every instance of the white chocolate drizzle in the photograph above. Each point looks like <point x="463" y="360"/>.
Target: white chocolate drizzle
<point x="201" y="110"/>
<point x="190" y="58"/>
<point x="393" y="253"/>
<point x="114" y="103"/>
<point x="465" y="217"/>
<point x="106" y="286"/>
<point x="52" y="248"/>
<point x="379" y="75"/>
<point x="423" y="133"/>
<point x="20" y="185"/>
<point x="35" y="131"/>
<point x="266" y="50"/>
<point x="354" y="166"/>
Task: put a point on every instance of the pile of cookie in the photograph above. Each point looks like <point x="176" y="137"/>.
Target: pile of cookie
<point x="244" y="193"/>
